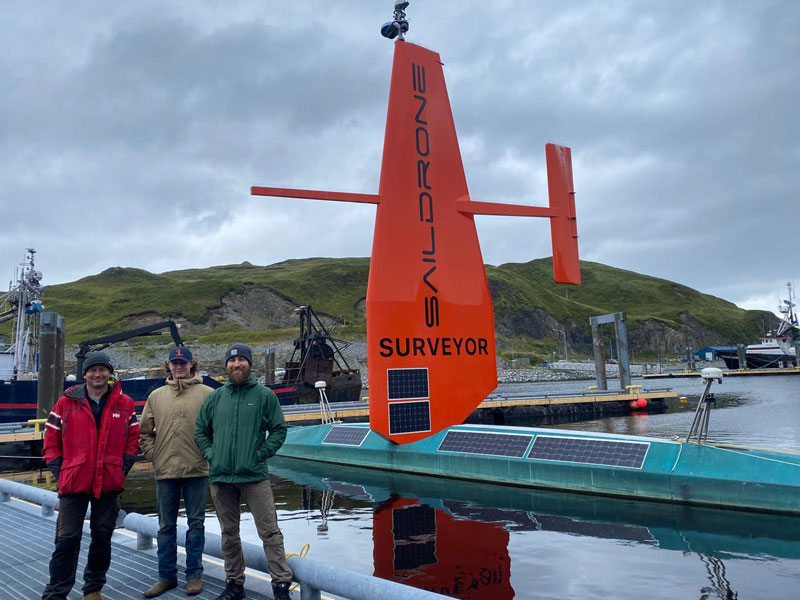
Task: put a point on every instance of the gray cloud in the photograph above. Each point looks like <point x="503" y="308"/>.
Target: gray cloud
<point x="137" y="129"/>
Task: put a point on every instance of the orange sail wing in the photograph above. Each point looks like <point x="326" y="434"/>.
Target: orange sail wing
<point x="430" y="328"/>
<point x="430" y="325"/>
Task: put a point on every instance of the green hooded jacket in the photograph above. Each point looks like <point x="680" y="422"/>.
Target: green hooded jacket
<point x="231" y="431"/>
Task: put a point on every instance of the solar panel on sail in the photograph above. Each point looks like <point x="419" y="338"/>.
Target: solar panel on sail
<point x="346" y="436"/>
<point x="480" y="442"/>
<point x="612" y="453"/>
<point x="409" y="417"/>
<point x="407" y="383"/>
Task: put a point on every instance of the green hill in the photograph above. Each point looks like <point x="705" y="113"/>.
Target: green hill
<point x="245" y="301"/>
<point x="111" y="300"/>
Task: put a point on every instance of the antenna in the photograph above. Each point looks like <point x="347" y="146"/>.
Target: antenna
<point x="398" y="26"/>
<point x="699" y="428"/>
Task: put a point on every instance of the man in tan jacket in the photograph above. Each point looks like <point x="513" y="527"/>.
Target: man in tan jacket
<point x="167" y="439"/>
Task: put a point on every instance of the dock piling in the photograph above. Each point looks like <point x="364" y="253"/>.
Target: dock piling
<point x="741" y="351"/>
<point x="623" y="360"/>
<point x="599" y="358"/>
<point x="51" y="367"/>
<point x="269" y="375"/>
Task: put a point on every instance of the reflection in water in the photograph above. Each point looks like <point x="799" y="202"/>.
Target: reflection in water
<point x="323" y="500"/>
<point x="720" y="586"/>
<point x="429" y="548"/>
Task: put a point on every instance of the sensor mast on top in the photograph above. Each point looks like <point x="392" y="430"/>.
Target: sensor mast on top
<point x="398" y="26"/>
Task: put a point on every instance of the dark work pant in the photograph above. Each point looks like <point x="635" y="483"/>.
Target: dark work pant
<point x="168" y="493"/>
<point x="69" y="530"/>
<point x="258" y="497"/>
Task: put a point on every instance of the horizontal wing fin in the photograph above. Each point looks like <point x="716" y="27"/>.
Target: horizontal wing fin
<point x="315" y="195"/>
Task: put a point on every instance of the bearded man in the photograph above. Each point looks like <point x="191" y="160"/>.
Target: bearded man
<point x="239" y="427"/>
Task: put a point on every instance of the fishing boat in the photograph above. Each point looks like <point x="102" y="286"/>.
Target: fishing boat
<point x="21" y="303"/>
<point x="777" y="348"/>
<point x="19" y="355"/>
<point x="317" y="359"/>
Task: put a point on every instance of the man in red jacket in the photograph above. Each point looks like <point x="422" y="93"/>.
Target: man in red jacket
<point x="90" y="443"/>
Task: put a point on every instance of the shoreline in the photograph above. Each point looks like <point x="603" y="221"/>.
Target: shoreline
<point x="137" y="360"/>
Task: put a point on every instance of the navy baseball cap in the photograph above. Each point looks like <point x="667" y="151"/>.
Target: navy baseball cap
<point x="181" y="353"/>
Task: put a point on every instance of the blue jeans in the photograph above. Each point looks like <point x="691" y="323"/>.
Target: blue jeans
<point x="168" y="495"/>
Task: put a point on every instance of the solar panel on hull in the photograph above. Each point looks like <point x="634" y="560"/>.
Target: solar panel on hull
<point x="590" y="451"/>
<point x="346" y="436"/>
<point x="407" y="383"/>
<point x="479" y="442"/>
<point x="409" y="417"/>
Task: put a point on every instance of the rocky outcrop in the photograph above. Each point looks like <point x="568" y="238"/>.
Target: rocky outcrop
<point x="651" y="335"/>
<point x="256" y="308"/>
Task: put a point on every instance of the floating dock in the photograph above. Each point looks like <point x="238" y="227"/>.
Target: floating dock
<point x="737" y="373"/>
<point x="24" y="434"/>
<point x="605" y="464"/>
<point x="18" y="440"/>
<point x="505" y="407"/>
<point x="498" y="410"/>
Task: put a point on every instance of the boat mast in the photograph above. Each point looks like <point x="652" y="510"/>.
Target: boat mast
<point x="25" y="306"/>
<point x="789" y="320"/>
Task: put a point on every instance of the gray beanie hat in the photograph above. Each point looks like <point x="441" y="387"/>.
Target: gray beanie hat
<point x="96" y="358"/>
<point x="242" y="350"/>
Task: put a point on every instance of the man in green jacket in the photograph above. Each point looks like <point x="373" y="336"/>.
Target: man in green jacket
<point x="239" y="427"/>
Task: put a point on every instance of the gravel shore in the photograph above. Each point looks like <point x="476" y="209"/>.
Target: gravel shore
<point x="134" y="360"/>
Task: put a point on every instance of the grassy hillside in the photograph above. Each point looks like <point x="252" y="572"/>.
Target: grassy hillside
<point x="606" y="289"/>
<point x="110" y="301"/>
<point x="104" y="303"/>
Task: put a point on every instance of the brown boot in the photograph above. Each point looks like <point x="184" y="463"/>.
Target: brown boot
<point x="158" y="588"/>
<point x="94" y="596"/>
<point x="194" y="586"/>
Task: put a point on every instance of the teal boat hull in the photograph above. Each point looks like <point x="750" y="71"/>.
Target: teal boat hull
<point x="671" y="471"/>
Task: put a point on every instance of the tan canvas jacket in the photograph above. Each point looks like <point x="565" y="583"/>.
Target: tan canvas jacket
<point x="168" y="425"/>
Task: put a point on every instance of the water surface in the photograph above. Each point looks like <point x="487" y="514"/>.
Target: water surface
<point x="472" y="540"/>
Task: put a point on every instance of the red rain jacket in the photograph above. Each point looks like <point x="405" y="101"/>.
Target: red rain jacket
<point x="88" y="460"/>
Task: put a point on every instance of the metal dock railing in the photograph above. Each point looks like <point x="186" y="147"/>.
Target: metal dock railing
<point x="24" y="559"/>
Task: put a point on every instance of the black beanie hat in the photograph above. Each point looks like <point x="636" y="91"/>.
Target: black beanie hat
<point x="242" y="350"/>
<point x="96" y="358"/>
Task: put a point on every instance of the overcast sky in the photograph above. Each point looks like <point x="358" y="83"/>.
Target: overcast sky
<point x="131" y="132"/>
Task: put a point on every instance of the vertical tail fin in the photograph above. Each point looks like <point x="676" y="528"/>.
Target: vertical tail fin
<point x="563" y="223"/>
